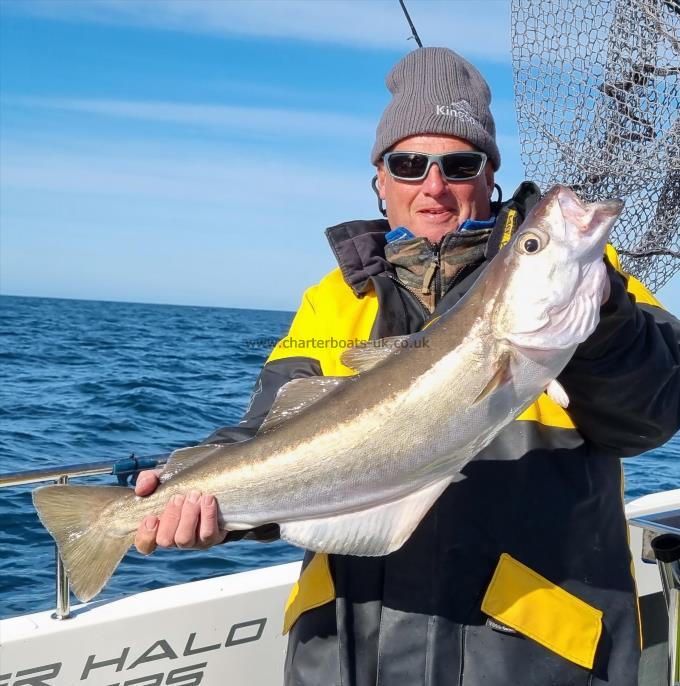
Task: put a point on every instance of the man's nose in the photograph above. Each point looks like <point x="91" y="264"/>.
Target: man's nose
<point x="434" y="183"/>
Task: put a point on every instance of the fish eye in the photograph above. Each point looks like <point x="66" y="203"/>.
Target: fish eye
<point x="530" y="243"/>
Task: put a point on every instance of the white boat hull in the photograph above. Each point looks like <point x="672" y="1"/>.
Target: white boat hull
<point x="226" y="630"/>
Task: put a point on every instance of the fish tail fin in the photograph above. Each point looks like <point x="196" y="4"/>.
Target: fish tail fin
<point x="89" y="549"/>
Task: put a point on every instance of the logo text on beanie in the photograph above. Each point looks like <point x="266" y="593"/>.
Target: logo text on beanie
<point x="460" y="109"/>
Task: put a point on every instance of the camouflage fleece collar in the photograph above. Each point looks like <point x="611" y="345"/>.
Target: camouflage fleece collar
<point x="430" y="270"/>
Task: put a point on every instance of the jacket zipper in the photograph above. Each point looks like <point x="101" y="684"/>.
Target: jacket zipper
<point x="437" y="276"/>
<point x="435" y="250"/>
<point x="431" y="278"/>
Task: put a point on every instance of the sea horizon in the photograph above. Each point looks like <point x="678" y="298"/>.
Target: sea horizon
<point x="143" y="302"/>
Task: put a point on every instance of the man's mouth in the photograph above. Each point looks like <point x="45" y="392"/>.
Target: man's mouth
<point x="438" y="213"/>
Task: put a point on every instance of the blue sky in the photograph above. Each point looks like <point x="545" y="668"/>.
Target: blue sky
<point x="193" y="152"/>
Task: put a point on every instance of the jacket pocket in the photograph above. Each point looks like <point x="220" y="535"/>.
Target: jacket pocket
<point x="527" y="602"/>
<point x="314" y="588"/>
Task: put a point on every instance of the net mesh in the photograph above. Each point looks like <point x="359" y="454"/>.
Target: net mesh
<point x="597" y="88"/>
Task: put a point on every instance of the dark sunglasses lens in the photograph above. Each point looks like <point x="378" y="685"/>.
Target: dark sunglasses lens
<point x="407" y="165"/>
<point x="460" y="165"/>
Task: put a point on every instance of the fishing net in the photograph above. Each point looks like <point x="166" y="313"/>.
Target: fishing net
<point x="597" y="88"/>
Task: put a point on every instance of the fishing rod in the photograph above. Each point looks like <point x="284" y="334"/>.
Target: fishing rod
<point x="414" y="33"/>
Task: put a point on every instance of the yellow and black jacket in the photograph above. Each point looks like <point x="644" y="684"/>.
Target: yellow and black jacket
<point x="520" y="573"/>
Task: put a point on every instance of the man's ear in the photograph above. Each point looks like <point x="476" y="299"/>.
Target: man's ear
<point x="380" y="181"/>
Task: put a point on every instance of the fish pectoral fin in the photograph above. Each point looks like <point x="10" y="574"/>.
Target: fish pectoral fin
<point x="377" y="530"/>
<point x="183" y="458"/>
<point x="297" y="395"/>
<point x="556" y="392"/>
<point x="502" y="376"/>
<point x="367" y="355"/>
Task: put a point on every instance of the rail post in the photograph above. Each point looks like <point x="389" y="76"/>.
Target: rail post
<point x="63" y="602"/>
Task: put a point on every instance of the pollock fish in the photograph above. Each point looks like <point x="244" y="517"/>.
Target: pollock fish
<point x="351" y="465"/>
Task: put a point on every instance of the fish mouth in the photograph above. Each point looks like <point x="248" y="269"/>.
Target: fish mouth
<point x="588" y="218"/>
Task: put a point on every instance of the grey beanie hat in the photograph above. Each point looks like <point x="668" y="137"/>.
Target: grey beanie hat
<point x="435" y="90"/>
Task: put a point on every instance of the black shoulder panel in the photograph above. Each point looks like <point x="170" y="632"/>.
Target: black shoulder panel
<point x="359" y="247"/>
<point x="624" y="381"/>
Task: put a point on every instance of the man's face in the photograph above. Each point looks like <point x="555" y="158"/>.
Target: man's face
<point x="434" y="206"/>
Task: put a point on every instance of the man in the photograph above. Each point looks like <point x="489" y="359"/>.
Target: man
<point x="521" y="573"/>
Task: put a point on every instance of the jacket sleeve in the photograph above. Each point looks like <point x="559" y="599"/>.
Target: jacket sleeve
<point x="275" y="373"/>
<point x="273" y="376"/>
<point x="624" y="381"/>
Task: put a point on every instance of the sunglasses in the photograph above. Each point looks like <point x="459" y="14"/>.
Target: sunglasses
<point x="454" y="166"/>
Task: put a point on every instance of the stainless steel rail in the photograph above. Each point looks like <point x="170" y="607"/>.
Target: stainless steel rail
<point x="34" y="476"/>
<point x="61" y="475"/>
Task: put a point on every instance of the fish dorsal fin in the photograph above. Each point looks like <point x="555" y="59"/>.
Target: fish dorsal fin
<point x="297" y="395"/>
<point x="368" y="354"/>
<point x="183" y="458"/>
<point x="377" y="530"/>
<point x="502" y="375"/>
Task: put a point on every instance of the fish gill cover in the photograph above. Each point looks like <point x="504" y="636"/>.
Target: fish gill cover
<point x="597" y="88"/>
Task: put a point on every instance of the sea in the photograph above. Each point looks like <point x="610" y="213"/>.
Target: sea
<point x="88" y="381"/>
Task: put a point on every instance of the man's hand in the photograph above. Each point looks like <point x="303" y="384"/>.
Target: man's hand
<point x="188" y="521"/>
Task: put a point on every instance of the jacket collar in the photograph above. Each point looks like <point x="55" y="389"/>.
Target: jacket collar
<point x="359" y="246"/>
